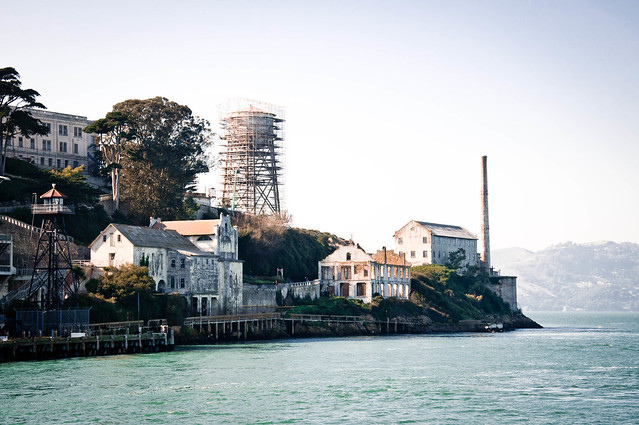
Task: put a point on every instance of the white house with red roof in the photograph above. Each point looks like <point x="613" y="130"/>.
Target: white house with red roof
<point x="211" y="281"/>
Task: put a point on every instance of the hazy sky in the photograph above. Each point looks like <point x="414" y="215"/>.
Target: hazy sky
<point x="389" y="105"/>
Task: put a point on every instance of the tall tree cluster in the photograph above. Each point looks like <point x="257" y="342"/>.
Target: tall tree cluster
<point x="161" y="148"/>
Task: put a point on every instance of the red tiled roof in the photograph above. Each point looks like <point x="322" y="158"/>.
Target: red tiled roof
<point x="192" y="227"/>
<point x="53" y="193"/>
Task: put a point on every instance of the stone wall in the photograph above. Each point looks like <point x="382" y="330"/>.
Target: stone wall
<point x="506" y="288"/>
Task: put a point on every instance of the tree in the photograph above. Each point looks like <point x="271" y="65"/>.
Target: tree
<point x="164" y="158"/>
<point x="15" y="117"/>
<point x="125" y="281"/>
<point x="114" y="134"/>
<point x="456" y="259"/>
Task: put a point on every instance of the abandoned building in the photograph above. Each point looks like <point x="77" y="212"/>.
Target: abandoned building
<point x="208" y="275"/>
<point x="431" y="243"/>
<point x="352" y="273"/>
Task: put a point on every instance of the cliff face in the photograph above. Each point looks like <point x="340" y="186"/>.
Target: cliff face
<point x="602" y="276"/>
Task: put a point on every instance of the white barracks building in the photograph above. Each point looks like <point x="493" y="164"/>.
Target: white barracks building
<point x="432" y="243"/>
<point x="66" y="145"/>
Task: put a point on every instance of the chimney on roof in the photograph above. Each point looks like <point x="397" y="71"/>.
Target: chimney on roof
<point x="484" y="235"/>
<point x="384" y="248"/>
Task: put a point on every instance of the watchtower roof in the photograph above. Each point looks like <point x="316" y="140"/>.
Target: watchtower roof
<point x="53" y="193"/>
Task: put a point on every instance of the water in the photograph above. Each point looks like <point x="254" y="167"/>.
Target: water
<point x="582" y="368"/>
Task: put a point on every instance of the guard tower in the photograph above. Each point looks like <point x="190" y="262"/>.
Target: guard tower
<point x="52" y="278"/>
<point x="252" y="157"/>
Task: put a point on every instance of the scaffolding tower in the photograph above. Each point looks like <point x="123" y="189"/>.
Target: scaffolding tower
<point x="252" y="156"/>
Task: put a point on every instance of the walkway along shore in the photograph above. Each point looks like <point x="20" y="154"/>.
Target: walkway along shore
<point x="109" y="339"/>
<point x="212" y="329"/>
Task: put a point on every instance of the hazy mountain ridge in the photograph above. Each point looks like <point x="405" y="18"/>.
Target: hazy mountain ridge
<point x="599" y="276"/>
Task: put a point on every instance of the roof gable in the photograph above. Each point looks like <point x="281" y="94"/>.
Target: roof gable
<point x="357" y="254"/>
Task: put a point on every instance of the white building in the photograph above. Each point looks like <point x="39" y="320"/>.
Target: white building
<point x="65" y="145"/>
<point x="211" y="283"/>
<point x="352" y="273"/>
<point x="432" y="243"/>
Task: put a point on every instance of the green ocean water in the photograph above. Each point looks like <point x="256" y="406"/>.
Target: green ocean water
<point x="581" y="368"/>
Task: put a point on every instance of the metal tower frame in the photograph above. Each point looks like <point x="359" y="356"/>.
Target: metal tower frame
<point x="52" y="267"/>
<point x="252" y="157"/>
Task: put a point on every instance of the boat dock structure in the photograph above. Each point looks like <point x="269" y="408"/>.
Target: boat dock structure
<point x="103" y="339"/>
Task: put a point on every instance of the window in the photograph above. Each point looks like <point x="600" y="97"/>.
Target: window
<point x="400" y="241"/>
<point x="77" y="132"/>
<point x="66" y="163"/>
<point x="412" y="254"/>
<point x="76" y="164"/>
<point x="361" y="289"/>
<point x="104" y="237"/>
<point x="119" y="238"/>
<point x="50" y="162"/>
<point x="181" y="282"/>
<point x="75" y="148"/>
<point x="182" y="263"/>
<point x="173" y="262"/>
<point x="172" y="282"/>
<point x="41" y="160"/>
<point x="365" y="272"/>
<point x="48" y="125"/>
<point x="32" y="142"/>
<point x="59" y="163"/>
<point x="46" y="145"/>
<point x="425" y="239"/>
<point x="20" y="142"/>
<point x="348" y="256"/>
<point x="425" y="254"/>
<point x="63" y="130"/>
<point x="345" y="272"/>
<point x="63" y="146"/>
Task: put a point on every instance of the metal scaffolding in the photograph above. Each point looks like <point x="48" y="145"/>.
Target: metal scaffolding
<point x="252" y="156"/>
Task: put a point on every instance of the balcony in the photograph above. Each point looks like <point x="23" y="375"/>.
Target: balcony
<point x="45" y="209"/>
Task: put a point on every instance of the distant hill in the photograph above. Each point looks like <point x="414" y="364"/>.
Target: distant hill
<point x="600" y="276"/>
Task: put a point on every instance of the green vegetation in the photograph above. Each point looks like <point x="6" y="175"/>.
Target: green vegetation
<point x="266" y="244"/>
<point x="330" y="306"/>
<point x="449" y="297"/>
<point x="115" y="296"/>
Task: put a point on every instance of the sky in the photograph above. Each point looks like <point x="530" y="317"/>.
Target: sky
<point x="389" y="105"/>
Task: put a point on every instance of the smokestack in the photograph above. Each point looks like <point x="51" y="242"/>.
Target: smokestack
<point x="484" y="237"/>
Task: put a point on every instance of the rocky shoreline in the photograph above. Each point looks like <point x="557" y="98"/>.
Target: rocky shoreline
<point x="282" y="329"/>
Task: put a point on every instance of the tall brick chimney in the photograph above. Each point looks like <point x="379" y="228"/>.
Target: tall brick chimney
<point x="484" y="236"/>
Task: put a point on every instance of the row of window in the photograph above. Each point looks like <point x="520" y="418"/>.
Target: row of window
<point x="59" y="163"/>
<point x="63" y="130"/>
<point x="443" y="241"/>
<point x="401" y="240"/>
<point x="46" y="145"/>
<point x="182" y="262"/>
<point x="453" y="241"/>
<point x="172" y="282"/>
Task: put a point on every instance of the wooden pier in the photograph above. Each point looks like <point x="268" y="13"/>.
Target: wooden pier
<point x="251" y="326"/>
<point x="105" y="339"/>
